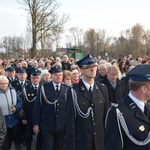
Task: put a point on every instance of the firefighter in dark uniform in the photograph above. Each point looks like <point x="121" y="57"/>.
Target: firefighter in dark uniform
<point x="21" y="82"/>
<point x="18" y="85"/>
<point x="49" y="111"/>
<point x="86" y="107"/>
<point x="128" y="121"/>
<point x="11" y="74"/>
<point x="29" y="94"/>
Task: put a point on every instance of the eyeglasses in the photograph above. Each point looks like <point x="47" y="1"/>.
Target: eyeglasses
<point x="3" y="83"/>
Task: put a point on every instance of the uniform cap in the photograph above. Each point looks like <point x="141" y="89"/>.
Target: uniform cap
<point x="55" y="70"/>
<point x="86" y="61"/>
<point x="20" y="71"/>
<point x="10" y="69"/>
<point x="36" y="73"/>
<point x="140" y="73"/>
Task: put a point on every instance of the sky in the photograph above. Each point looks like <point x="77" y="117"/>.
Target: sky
<point x="110" y="15"/>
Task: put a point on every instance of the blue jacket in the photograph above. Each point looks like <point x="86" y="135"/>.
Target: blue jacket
<point x="11" y="119"/>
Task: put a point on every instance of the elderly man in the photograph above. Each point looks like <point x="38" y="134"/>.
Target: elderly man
<point x="29" y="94"/>
<point x="102" y="72"/>
<point x="128" y="121"/>
<point x="86" y="108"/>
<point x="116" y="88"/>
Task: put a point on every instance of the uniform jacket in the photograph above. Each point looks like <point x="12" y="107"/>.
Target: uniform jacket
<point x="28" y="103"/>
<point x="18" y="87"/>
<point x="138" y="125"/>
<point x="115" y="94"/>
<point x="47" y="116"/>
<point x="81" y="133"/>
<point x="10" y="81"/>
<point x="3" y="129"/>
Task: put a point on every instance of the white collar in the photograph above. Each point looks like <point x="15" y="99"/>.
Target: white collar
<point x="54" y="84"/>
<point x="139" y="103"/>
<point x="35" y="85"/>
<point x="88" y="85"/>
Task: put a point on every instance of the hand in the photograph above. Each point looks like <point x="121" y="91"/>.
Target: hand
<point x="24" y="121"/>
<point x="13" y="109"/>
<point x="36" y="129"/>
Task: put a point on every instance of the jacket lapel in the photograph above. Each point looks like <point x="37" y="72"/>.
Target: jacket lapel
<point x="85" y="92"/>
<point x="134" y="108"/>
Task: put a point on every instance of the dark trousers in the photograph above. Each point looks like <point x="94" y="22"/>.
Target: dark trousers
<point x="9" y="138"/>
<point x="29" y="138"/>
<point x="20" y="133"/>
<point x="52" y="140"/>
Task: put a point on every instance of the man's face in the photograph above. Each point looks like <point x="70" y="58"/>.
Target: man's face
<point x="35" y="80"/>
<point x="89" y="71"/>
<point x="103" y="71"/>
<point x="22" y="76"/>
<point x="57" y="77"/>
<point x="66" y="58"/>
<point x="12" y="74"/>
<point x="112" y="75"/>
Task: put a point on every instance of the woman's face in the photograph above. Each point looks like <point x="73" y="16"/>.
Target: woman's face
<point x="4" y="84"/>
<point x="67" y="81"/>
<point x="75" y="75"/>
<point x="46" y="77"/>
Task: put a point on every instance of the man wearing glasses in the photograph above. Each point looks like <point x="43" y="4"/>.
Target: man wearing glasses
<point x="86" y="108"/>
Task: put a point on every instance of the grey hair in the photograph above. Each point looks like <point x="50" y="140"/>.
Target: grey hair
<point x="2" y="78"/>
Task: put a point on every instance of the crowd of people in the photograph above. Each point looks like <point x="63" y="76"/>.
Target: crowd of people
<point x="89" y="104"/>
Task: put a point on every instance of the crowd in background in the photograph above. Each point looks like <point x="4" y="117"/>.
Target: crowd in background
<point x="111" y="72"/>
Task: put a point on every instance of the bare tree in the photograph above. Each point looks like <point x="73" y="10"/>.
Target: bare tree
<point x="45" y="21"/>
<point x="90" y="41"/>
<point x="137" y="33"/>
<point x="76" y="36"/>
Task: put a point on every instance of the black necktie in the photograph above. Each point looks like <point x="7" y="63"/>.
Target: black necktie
<point x="90" y="91"/>
<point x="21" y="83"/>
<point x="35" y="87"/>
<point x="146" y="111"/>
<point x="57" y="89"/>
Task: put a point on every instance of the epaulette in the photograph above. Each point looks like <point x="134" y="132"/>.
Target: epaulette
<point x="100" y="83"/>
<point x="118" y="104"/>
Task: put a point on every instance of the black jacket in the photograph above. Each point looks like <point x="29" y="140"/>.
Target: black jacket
<point x="18" y="87"/>
<point x="86" y="133"/>
<point x="137" y="123"/>
<point x="115" y="94"/>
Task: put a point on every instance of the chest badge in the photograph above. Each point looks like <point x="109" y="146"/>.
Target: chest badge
<point x="142" y="128"/>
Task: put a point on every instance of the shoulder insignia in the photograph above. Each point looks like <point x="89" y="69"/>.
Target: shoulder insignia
<point x="116" y="105"/>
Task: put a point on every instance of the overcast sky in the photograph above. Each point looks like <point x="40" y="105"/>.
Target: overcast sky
<point x="111" y="15"/>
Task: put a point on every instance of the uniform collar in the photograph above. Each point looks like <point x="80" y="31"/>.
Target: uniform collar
<point x="139" y="103"/>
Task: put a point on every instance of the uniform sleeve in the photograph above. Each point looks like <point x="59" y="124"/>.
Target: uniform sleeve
<point x="70" y="122"/>
<point x="19" y="104"/>
<point x="3" y="129"/>
<point x="112" y="133"/>
<point x="37" y="109"/>
<point x="107" y="104"/>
